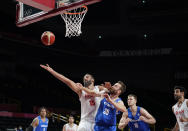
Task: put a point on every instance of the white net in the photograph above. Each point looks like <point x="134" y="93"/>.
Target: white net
<point x="73" y="20"/>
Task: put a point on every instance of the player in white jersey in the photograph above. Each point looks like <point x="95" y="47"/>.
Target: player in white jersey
<point x="70" y="126"/>
<point x="180" y="109"/>
<point x="89" y="104"/>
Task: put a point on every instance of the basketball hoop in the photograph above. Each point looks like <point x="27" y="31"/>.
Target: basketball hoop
<point x="73" y="20"/>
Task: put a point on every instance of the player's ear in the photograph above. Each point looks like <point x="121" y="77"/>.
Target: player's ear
<point x="119" y="91"/>
<point x="92" y="80"/>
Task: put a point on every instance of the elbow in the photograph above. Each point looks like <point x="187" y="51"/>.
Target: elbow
<point x="120" y="127"/>
<point x="124" y="109"/>
<point x="154" y="121"/>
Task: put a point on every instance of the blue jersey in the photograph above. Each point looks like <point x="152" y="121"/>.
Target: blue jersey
<point x="42" y="126"/>
<point x="106" y="114"/>
<point x="135" y="124"/>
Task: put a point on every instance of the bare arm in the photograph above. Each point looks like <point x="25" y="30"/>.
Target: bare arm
<point x="89" y="91"/>
<point x="35" y="123"/>
<point x="63" y="128"/>
<point x="62" y="78"/>
<point x="119" y="105"/>
<point x="123" y="121"/>
<point x="146" y="117"/>
<point x="176" y="127"/>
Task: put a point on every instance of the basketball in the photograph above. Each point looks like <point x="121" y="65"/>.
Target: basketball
<point x="48" y="38"/>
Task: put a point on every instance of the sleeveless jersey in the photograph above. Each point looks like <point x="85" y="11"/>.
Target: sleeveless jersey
<point x="181" y="111"/>
<point x="69" y="128"/>
<point x="42" y="126"/>
<point x="106" y="114"/>
<point x="136" y="124"/>
<point x="89" y="106"/>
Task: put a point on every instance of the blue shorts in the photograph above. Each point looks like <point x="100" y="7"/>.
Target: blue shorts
<point x="104" y="128"/>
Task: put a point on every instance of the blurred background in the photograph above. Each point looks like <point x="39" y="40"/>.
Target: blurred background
<point x="141" y="42"/>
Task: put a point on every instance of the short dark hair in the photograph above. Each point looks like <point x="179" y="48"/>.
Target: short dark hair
<point x="40" y="109"/>
<point x="133" y="95"/>
<point x="71" y="116"/>
<point x="123" y="87"/>
<point x="90" y="75"/>
<point x="181" y="88"/>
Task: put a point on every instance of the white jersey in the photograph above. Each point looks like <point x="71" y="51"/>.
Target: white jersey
<point x="181" y="111"/>
<point x="69" y="128"/>
<point x="89" y="106"/>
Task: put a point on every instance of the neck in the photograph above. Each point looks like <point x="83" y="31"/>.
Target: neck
<point x="114" y="96"/>
<point x="42" y="117"/>
<point x="91" y="87"/>
<point x="71" y="124"/>
<point x="181" y="100"/>
<point x="133" y="108"/>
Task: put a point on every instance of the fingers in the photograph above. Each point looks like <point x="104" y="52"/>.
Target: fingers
<point x="44" y="66"/>
<point x="41" y="65"/>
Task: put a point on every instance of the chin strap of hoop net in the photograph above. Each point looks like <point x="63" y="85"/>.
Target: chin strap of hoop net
<point x="73" y="20"/>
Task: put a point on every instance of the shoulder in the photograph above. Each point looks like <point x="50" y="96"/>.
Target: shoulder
<point x="186" y="102"/>
<point x="118" y="100"/>
<point x="173" y="107"/>
<point x="36" y="119"/>
<point x="142" y="110"/>
<point x="47" y="119"/>
<point x="65" y="125"/>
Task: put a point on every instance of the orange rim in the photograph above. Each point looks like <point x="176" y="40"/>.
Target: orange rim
<point x="84" y="6"/>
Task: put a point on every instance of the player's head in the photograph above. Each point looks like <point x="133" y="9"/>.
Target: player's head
<point x="42" y="111"/>
<point x="118" y="88"/>
<point x="71" y="119"/>
<point x="131" y="100"/>
<point x="179" y="92"/>
<point x="88" y="79"/>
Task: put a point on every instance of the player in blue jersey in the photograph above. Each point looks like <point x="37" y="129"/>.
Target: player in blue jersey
<point x="40" y="123"/>
<point x="137" y="118"/>
<point x="110" y="104"/>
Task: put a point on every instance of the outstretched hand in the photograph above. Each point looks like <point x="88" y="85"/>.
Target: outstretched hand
<point x="46" y="67"/>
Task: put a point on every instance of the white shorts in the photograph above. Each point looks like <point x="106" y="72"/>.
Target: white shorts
<point x="86" y="126"/>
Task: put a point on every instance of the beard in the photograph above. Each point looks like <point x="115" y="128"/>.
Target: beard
<point x="112" y="92"/>
<point x="177" y="97"/>
<point x="87" y="83"/>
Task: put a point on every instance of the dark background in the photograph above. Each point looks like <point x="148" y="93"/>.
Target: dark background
<point x="143" y="43"/>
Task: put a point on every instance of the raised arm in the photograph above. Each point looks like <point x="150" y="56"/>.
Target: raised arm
<point x="146" y="117"/>
<point x="119" y="105"/>
<point x="123" y="121"/>
<point x="89" y="91"/>
<point x="62" y="78"/>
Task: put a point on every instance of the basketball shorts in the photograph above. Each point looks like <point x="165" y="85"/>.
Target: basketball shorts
<point x="86" y="126"/>
<point x="104" y="128"/>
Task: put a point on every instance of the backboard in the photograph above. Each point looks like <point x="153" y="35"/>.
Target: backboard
<point x="31" y="11"/>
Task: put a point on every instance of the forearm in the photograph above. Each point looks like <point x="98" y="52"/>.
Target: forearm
<point x="175" y="128"/>
<point x="65" y="80"/>
<point x="123" y="124"/>
<point x="150" y="121"/>
<point x="91" y="92"/>
<point x="118" y="106"/>
<point x="186" y="119"/>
